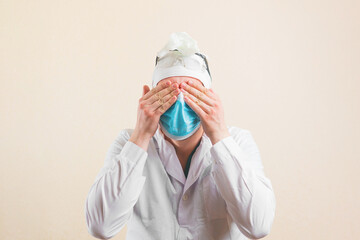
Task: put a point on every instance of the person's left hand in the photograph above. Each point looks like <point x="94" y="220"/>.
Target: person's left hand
<point x="207" y="105"/>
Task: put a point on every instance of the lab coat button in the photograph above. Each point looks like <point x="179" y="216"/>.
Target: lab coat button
<point x="185" y="197"/>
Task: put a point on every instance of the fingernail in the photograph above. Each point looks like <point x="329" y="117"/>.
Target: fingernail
<point x="190" y="82"/>
<point x="174" y="86"/>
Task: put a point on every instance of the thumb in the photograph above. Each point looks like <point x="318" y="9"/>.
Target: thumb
<point x="146" y="89"/>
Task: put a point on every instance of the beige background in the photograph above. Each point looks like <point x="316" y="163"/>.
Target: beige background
<point x="72" y="71"/>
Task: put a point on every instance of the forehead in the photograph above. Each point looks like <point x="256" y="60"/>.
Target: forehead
<point x="179" y="79"/>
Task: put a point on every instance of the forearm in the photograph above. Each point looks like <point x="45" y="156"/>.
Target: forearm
<point x="112" y="197"/>
<point x="246" y="190"/>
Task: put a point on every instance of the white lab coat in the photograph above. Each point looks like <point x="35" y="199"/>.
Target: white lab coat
<point x="225" y="196"/>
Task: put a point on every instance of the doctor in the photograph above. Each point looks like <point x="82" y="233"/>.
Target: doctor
<point x="181" y="173"/>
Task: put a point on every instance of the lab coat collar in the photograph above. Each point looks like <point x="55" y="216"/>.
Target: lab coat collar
<point x="200" y="160"/>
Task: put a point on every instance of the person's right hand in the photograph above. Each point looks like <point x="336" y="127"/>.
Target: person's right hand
<point x="152" y="105"/>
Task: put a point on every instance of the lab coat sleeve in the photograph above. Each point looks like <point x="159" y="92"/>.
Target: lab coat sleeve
<point x="117" y="187"/>
<point x="239" y="176"/>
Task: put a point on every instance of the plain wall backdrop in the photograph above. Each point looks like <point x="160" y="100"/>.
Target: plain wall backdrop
<point x="72" y="72"/>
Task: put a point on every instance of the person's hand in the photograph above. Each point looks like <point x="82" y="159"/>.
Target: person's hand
<point x="207" y="105"/>
<point x="152" y="105"/>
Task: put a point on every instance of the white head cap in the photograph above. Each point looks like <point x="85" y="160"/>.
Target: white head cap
<point x="181" y="57"/>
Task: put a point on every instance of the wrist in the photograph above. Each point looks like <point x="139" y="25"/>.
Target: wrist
<point x="140" y="139"/>
<point x="218" y="136"/>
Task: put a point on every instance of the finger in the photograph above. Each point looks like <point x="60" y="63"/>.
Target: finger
<point x="201" y="88"/>
<point x="194" y="107"/>
<point x="155" y="105"/>
<point x="159" y="95"/>
<point x="156" y="89"/>
<point x="146" y="89"/>
<point x="214" y="95"/>
<point x="164" y="107"/>
<point x="196" y="93"/>
<point x="206" y="108"/>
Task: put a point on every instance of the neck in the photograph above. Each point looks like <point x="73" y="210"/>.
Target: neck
<point x="186" y="146"/>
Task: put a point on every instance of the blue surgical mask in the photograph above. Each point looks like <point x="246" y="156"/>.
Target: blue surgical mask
<point x="179" y="121"/>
